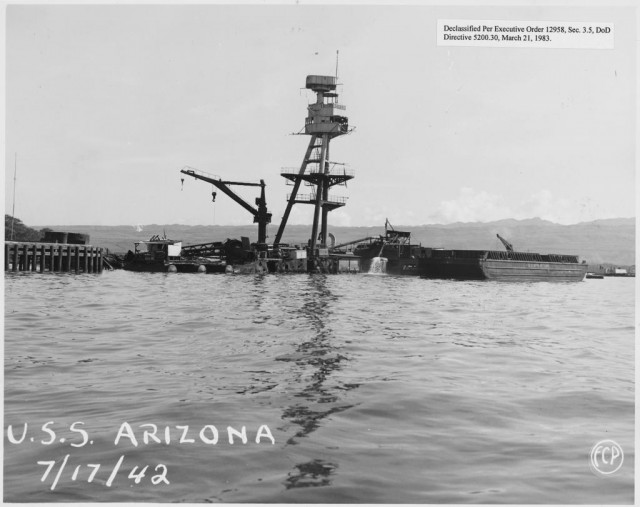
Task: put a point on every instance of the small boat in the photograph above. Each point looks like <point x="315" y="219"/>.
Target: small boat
<point x="506" y="265"/>
<point x="619" y="272"/>
<point x="594" y="276"/>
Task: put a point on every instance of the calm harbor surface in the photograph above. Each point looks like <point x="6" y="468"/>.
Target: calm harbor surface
<point x="357" y="388"/>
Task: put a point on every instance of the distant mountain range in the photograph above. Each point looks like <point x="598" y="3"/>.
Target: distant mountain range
<point x="600" y="241"/>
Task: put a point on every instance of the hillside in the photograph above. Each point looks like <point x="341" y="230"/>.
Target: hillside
<point x="600" y="241"/>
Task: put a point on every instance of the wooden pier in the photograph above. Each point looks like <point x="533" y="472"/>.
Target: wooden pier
<point x="52" y="257"/>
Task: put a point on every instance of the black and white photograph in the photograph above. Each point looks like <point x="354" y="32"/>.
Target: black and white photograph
<point x="311" y="252"/>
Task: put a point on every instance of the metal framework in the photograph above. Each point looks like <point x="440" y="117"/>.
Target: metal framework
<point x="326" y="120"/>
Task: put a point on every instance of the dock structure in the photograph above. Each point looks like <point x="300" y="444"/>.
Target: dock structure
<point x="52" y="257"/>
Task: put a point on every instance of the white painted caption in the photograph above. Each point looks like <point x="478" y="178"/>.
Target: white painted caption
<point x="76" y="436"/>
<point x="525" y="34"/>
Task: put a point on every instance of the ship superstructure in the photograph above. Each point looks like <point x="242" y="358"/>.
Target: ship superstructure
<point x="326" y="120"/>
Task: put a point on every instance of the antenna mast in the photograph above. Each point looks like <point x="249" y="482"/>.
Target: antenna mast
<point x="337" y="54"/>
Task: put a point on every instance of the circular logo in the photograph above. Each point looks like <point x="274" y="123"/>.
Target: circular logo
<point x="606" y="457"/>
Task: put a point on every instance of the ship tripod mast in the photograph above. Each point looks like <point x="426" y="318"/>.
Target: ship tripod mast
<point x="325" y="121"/>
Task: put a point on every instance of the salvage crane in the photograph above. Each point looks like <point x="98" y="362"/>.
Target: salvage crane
<point x="260" y="215"/>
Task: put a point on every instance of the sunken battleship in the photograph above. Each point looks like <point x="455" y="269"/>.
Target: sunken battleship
<point x="326" y="120"/>
<point x="392" y="253"/>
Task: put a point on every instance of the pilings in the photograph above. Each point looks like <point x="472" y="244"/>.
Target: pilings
<point x="52" y="257"/>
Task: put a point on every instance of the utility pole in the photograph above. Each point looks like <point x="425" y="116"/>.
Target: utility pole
<point x="13" y="211"/>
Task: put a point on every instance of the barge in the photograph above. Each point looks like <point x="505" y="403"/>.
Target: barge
<point x="506" y="265"/>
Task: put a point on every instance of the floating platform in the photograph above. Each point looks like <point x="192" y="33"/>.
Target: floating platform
<point x="52" y="257"/>
<point x="163" y="255"/>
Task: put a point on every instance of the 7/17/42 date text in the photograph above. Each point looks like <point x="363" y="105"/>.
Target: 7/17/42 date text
<point x="90" y="471"/>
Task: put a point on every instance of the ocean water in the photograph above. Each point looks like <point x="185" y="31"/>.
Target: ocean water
<point x="349" y="389"/>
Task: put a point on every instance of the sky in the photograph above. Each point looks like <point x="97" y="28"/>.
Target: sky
<point x="106" y="103"/>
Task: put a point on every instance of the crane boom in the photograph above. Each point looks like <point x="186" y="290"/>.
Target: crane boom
<point x="506" y="244"/>
<point x="260" y="215"/>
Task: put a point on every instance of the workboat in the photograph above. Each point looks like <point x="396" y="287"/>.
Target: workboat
<point x="506" y="265"/>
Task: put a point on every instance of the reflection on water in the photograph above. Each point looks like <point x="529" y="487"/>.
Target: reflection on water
<point x="312" y="474"/>
<point x="319" y="358"/>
